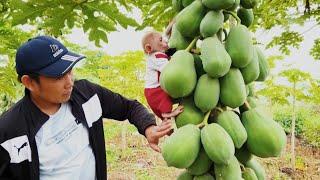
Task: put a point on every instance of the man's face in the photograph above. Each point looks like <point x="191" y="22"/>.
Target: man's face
<point x="53" y="90"/>
<point x="159" y="43"/>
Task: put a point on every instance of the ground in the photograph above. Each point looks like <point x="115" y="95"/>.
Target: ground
<point x="129" y="157"/>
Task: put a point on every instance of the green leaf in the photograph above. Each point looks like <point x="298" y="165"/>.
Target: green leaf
<point x="285" y="40"/>
<point x="24" y="11"/>
<point x="315" y="51"/>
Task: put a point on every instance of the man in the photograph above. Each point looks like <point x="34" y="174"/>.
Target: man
<point x="56" y="131"/>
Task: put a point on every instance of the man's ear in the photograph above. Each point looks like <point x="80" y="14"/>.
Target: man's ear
<point x="28" y="82"/>
<point x="148" y="48"/>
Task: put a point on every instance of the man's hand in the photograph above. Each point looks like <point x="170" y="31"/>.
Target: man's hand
<point x="154" y="133"/>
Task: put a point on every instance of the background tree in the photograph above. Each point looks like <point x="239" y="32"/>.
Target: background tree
<point x="297" y="88"/>
<point x="284" y="15"/>
<point x="10" y="38"/>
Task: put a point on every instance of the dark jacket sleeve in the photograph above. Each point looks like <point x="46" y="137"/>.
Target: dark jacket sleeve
<point x="118" y="107"/>
<point x="4" y="162"/>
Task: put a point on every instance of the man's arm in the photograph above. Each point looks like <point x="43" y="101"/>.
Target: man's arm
<point x="4" y="164"/>
<point x="118" y="107"/>
<point x="115" y="106"/>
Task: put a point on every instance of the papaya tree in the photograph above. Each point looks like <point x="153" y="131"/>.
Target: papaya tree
<point x="285" y="14"/>
<point x="276" y="93"/>
<point x="315" y="92"/>
<point x="56" y="17"/>
<point x="296" y="79"/>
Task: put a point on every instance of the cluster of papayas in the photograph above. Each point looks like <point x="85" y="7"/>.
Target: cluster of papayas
<point x="222" y="127"/>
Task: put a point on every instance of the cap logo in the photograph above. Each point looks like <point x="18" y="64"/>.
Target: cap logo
<point x="55" y="50"/>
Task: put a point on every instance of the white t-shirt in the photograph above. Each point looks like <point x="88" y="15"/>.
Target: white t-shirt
<point x="64" y="149"/>
<point x="154" y="65"/>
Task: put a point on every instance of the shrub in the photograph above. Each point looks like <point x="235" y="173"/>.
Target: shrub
<point x="311" y="130"/>
<point x="283" y="115"/>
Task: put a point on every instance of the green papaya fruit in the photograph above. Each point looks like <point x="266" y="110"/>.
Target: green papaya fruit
<point x="263" y="65"/>
<point x="230" y="171"/>
<point x="230" y="121"/>
<point x="251" y="88"/>
<point x="266" y="138"/>
<point x="189" y="19"/>
<point x="181" y="148"/>
<point x="232" y="89"/>
<point x="251" y="72"/>
<point x="243" y="155"/>
<point x="206" y="95"/>
<point x="186" y="3"/>
<point x="258" y="168"/>
<point x="247" y="87"/>
<point x="177" y="40"/>
<point x="234" y="6"/>
<point x="253" y="102"/>
<point x="198" y="65"/>
<point x="178" y="78"/>
<point x="211" y="23"/>
<point x="201" y="165"/>
<point x="190" y="115"/>
<point x="185" y="175"/>
<point x="249" y="4"/>
<point x="249" y="174"/>
<point x="218" y="4"/>
<point x="206" y="176"/>
<point x="239" y="46"/>
<point x="246" y="16"/>
<point x="217" y="143"/>
<point x="177" y="5"/>
<point x="216" y="61"/>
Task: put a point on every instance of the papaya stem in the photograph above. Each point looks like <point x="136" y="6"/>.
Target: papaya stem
<point x="219" y="109"/>
<point x="234" y="15"/>
<point x="247" y="105"/>
<point x="242" y="167"/>
<point x="192" y="44"/>
<point x="195" y="51"/>
<point x="224" y="108"/>
<point x="205" y="120"/>
<point x="201" y="125"/>
<point x="206" y="117"/>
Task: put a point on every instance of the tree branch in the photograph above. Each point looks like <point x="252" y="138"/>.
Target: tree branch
<point x="307" y="8"/>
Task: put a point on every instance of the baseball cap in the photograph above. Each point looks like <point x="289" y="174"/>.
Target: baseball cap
<point x="46" y="56"/>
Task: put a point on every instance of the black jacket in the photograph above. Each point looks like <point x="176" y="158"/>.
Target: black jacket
<point x="19" y="125"/>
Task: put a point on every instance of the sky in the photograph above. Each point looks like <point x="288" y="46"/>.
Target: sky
<point x="130" y="40"/>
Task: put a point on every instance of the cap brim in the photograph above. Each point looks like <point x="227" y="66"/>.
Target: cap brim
<point x="62" y="66"/>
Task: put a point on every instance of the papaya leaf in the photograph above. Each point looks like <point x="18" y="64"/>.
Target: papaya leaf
<point x="315" y="51"/>
<point x="285" y="40"/>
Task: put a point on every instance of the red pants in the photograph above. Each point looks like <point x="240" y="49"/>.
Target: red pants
<point x="158" y="100"/>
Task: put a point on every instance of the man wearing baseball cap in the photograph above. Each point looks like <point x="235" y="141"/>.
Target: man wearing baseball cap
<point x="56" y="131"/>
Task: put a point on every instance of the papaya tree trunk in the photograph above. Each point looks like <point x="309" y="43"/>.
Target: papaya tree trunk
<point x="293" y="125"/>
